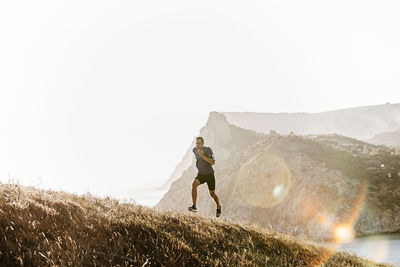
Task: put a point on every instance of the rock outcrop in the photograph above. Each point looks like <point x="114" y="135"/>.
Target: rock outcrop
<point x="302" y="185"/>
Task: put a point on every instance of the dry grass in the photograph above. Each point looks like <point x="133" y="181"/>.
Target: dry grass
<point x="55" y="228"/>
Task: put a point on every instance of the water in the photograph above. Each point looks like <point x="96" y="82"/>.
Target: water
<point x="383" y="248"/>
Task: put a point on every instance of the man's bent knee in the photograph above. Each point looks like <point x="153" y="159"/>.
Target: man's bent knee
<point x="195" y="183"/>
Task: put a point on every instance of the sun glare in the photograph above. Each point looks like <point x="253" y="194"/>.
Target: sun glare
<point x="344" y="232"/>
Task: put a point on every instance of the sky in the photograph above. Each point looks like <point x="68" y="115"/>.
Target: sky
<point x="100" y="96"/>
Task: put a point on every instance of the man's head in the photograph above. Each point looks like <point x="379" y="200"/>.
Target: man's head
<point x="199" y="142"/>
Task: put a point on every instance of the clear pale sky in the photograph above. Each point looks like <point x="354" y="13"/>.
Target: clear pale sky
<point x="105" y="95"/>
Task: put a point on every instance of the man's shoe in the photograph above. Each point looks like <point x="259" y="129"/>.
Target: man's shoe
<point x="219" y="211"/>
<point x="192" y="208"/>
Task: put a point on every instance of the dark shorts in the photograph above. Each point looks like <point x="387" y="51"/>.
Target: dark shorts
<point x="209" y="178"/>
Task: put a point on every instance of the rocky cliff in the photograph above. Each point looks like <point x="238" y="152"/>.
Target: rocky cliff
<point x="302" y="185"/>
<point x="224" y="138"/>
<point x="360" y="122"/>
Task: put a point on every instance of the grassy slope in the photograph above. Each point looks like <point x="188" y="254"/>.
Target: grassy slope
<point x="44" y="227"/>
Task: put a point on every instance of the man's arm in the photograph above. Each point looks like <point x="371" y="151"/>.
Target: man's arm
<point x="209" y="160"/>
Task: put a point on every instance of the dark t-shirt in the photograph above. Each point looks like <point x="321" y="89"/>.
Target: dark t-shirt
<point x="203" y="166"/>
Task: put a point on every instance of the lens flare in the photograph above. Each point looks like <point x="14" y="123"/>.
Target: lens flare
<point x="278" y="190"/>
<point x="264" y="180"/>
<point x="344" y="232"/>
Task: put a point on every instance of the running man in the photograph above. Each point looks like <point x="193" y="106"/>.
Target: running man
<point x="204" y="159"/>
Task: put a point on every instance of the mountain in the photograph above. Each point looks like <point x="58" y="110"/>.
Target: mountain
<point x="303" y="185"/>
<point x="386" y="138"/>
<point x="49" y="228"/>
<point x="359" y="122"/>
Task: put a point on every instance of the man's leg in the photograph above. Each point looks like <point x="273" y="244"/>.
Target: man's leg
<point x="195" y="184"/>
<point x="214" y="196"/>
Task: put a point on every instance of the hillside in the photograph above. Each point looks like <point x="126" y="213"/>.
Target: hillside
<point x="373" y="124"/>
<point x="44" y="227"/>
<point x="302" y="185"/>
<point x="386" y="138"/>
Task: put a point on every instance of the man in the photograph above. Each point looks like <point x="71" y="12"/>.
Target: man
<point x="204" y="159"/>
